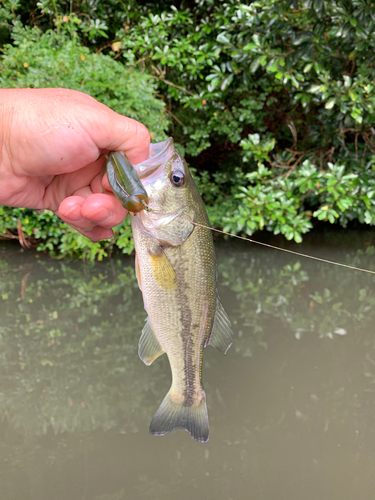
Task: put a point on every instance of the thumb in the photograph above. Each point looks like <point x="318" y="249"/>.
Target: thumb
<point x="116" y="132"/>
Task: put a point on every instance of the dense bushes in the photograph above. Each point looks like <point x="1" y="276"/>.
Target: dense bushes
<point x="58" y="59"/>
<point x="272" y="102"/>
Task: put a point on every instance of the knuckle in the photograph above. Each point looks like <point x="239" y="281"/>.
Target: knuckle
<point x="142" y="132"/>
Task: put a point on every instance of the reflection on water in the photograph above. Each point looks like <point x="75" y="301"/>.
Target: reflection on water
<point x="292" y="405"/>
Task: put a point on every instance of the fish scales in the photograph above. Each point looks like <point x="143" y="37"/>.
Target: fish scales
<point x="176" y="271"/>
<point x="187" y="310"/>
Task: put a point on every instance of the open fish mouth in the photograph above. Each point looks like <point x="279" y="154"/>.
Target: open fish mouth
<point x="159" y="154"/>
<point x="129" y="182"/>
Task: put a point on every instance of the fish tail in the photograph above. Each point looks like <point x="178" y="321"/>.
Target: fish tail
<point x="173" y="415"/>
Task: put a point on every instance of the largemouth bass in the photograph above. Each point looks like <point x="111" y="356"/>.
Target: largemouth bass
<point x="176" y="271"/>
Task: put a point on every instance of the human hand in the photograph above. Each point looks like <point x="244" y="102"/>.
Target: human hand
<point x="50" y="143"/>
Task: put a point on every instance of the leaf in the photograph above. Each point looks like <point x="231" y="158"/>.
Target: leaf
<point x="226" y="82"/>
<point x="297" y="237"/>
<point x="330" y="103"/>
<point x="315" y="88"/>
<point x="223" y="37"/>
<point x="357" y="117"/>
<point x="212" y="76"/>
<point x="302" y="37"/>
<point x="256" y="40"/>
<point x="347" y="81"/>
<point x="250" y="46"/>
<point x="254" y="65"/>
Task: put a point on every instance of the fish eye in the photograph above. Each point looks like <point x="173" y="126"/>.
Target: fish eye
<point x="177" y="178"/>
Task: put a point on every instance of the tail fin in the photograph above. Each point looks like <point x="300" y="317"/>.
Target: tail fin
<point x="171" y="415"/>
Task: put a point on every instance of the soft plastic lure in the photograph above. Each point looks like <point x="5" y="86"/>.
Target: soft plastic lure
<point x="125" y="183"/>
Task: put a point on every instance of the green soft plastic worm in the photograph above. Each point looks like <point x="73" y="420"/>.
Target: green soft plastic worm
<point x="125" y="183"/>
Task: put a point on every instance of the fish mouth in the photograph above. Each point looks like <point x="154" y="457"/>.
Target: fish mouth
<point x="159" y="154"/>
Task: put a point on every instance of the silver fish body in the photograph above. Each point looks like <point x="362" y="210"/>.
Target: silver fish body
<point x="176" y="270"/>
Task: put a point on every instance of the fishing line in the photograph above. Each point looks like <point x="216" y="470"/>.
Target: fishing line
<point x="299" y="254"/>
<point x="278" y="248"/>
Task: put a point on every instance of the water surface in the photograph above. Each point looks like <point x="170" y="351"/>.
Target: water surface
<point x="291" y="406"/>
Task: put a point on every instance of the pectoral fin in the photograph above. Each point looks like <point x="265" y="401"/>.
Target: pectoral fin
<point x="162" y="269"/>
<point x="149" y="348"/>
<point x="221" y="335"/>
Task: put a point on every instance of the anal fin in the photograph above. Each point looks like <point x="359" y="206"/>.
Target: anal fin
<point x="221" y="335"/>
<point x="149" y="348"/>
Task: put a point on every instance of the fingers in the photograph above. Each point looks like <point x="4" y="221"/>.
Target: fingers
<point x="93" y="216"/>
<point x="70" y="211"/>
<point x="81" y="182"/>
<point x="68" y="133"/>
<point x="119" y="133"/>
<point x="104" y="210"/>
<point x="105" y="183"/>
<point x="98" y="233"/>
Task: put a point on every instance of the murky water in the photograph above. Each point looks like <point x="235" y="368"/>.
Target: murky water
<point x="291" y="406"/>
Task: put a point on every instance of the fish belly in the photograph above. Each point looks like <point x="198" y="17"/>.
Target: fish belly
<point x="181" y="312"/>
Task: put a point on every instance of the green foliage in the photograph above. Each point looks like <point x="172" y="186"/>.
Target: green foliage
<point x="281" y="205"/>
<point x="44" y="230"/>
<point x="58" y="59"/>
<point x="258" y="93"/>
<point x="287" y="84"/>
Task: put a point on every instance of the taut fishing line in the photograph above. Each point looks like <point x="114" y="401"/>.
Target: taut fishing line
<point x="299" y="254"/>
<point x="281" y="249"/>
